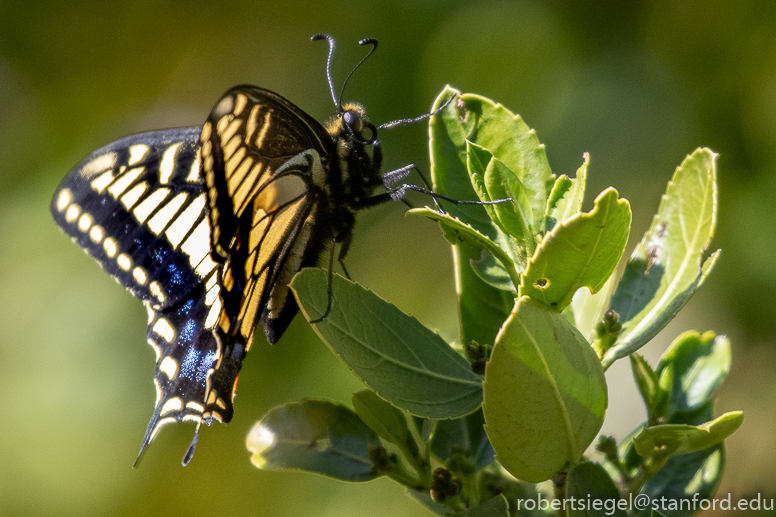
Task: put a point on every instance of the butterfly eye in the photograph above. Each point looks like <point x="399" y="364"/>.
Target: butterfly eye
<point x="352" y="120"/>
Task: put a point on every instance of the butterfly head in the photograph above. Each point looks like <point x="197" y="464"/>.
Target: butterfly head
<point x="351" y="127"/>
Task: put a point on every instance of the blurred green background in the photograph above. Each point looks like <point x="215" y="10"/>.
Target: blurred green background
<point x="637" y="84"/>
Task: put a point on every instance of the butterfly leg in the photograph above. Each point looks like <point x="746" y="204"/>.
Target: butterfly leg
<point x="329" y="290"/>
<point x="344" y="247"/>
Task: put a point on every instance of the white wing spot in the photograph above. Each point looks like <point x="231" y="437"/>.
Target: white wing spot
<point x="264" y="128"/>
<point x="160" y="220"/>
<point x="242" y="101"/>
<point x="157" y="351"/>
<point x="194" y="174"/>
<point x="229" y="132"/>
<point x="140" y="275"/>
<point x="195" y="406"/>
<point x="72" y="213"/>
<point x="99" y="164"/>
<point x="231" y="146"/>
<point x="123" y="182"/>
<point x="163" y="328"/>
<point x="124" y="262"/>
<point x="97" y="234"/>
<point x="185" y="222"/>
<point x="137" y="152"/>
<point x="167" y="166"/>
<point x="65" y="198"/>
<point x="223" y="107"/>
<point x="149" y="204"/>
<point x="161" y="423"/>
<point x="207" y="128"/>
<point x="102" y="181"/>
<point x="197" y="246"/>
<point x="223" y="122"/>
<point x="169" y="367"/>
<point x="130" y="198"/>
<point x="239" y="174"/>
<point x="156" y="290"/>
<point x="110" y="247"/>
<point x="85" y="222"/>
<point x="205" y="267"/>
<point x="252" y="123"/>
<point x="232" y="163"/>
<point x="158" y="390"/>
<point x="213" y="314"/>
<point x="174" y="404"/>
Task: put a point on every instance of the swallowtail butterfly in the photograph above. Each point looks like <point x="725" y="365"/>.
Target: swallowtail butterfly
<point x="207" y="225"/>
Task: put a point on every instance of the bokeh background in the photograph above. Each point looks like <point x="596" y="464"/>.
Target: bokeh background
<point x="638" y="85"/>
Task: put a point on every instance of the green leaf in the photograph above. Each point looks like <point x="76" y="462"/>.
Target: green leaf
<point x="461" y="233"/>
<point x="544" y="393"/>
<point x="395" y="355"/>
<point x="700" y="364"/>
<point x="668" y="265"/>
<point x="581" y="251"/>
<point x="482" y="307"/>
<point x="670" y="439"/>
<point x="383" y="418"/>
<point x="695" y="473"/>
<point x="649" y="385"/>
<point x="317" y="436"/>
<point x="589" y="482"/>
<point x="567" y="196"/>
<point x="493" y="272"/>
<point x="493" y="127"/>
<point x="465" y="435"/>
<point x="493" y="180"/>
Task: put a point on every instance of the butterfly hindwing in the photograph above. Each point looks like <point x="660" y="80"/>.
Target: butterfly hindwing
<point x="185" y="353"/>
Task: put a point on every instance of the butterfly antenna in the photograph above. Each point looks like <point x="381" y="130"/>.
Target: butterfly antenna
<point x="404" y="121"/>
<point x="365" y="41"/>
<point x="332" y="44"/>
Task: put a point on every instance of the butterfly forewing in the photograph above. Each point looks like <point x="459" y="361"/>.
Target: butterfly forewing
<point x="139" y="207"/>
<point x="208" y="226"/>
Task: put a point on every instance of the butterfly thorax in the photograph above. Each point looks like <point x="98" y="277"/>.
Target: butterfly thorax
<point x="281" y="186"/>
<point x="352" y="180"/>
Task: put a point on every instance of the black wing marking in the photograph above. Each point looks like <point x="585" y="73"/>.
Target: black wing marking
<point x="249" y="134"/>
<point x="275" y="241"/>
<point x="264" y="161"/>
<point x="190" y="387"/>
<point x="138" y="206"/>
